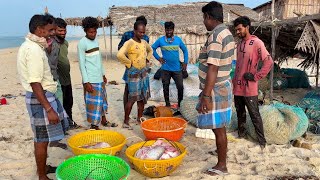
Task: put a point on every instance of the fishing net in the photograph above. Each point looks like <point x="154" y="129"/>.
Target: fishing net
<point x="281" y="122"/>
<point x="296" y="78"/>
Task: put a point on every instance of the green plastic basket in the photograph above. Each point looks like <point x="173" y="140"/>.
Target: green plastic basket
<point x="93" y="166"/>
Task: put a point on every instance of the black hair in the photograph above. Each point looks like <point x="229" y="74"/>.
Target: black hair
<point x="138" y="23"/>
<point x="90" y="22"/>
<point x="244" y="20"/>
<point x="60" y="23"/>
<point x="214" y="10"/>
<point x="169" y="25"/>
<point x="142" y="18"/>
<point x="40" y="20"/>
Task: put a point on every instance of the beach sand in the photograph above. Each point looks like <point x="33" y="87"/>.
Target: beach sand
<point x="245" y="160"/>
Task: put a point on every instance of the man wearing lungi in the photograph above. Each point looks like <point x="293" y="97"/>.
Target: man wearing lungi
<point x="127" y="36"/>
<point x="45" y="110"/>
<point x="215" y="100"/>
<point x="134" y="54"/>
<point x="250" y="50"/>
<point x="93" y="75"/>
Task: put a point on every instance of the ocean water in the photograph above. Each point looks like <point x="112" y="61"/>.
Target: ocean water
<point x="16" y="41"/>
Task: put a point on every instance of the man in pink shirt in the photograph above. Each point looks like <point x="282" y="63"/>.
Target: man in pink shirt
<point x="250" y="50"/>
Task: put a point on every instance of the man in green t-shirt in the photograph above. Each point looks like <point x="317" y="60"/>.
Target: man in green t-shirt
<point x="64" y="70"/>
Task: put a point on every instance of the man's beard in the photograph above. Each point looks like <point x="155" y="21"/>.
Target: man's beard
<point x="60" y="38"/>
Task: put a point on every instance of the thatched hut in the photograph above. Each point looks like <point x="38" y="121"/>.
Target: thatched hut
<point x="77" y="21"/>
<point x="187" y="18"/>
<point x="285" y="9"/>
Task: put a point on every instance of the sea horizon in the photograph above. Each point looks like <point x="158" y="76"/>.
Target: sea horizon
<point x="16" y="41"/>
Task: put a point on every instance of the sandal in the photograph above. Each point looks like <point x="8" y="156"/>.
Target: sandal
<point x="58" y="144"/>
<point x="50" y="169"/>
<point x="124" y="125"/>
<point x="215" y="172"/>
<point x="109" y="124"/>
<point x="94" y="127"/>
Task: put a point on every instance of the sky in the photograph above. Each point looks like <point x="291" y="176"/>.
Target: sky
<point x="15" y="14"/>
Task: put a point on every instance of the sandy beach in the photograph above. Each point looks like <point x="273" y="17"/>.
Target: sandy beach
<point x="245" y="160"/>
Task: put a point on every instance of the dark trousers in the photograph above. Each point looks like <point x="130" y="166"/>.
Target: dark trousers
<point x="178" y="79"/>
<point x="253" y="108"/>
<point x="67" y="100"/>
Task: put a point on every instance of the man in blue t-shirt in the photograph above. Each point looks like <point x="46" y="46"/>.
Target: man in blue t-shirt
<point x="170" y="60"/>
<point x="125" y="37"/>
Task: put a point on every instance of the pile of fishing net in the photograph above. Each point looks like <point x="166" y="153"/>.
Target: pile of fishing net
<point x="296" y="78"/>
<point x="191" y="85"/>
<point x="282" y="123"/>
<point x="311" y="106"/>
<point x="189" y="112"/>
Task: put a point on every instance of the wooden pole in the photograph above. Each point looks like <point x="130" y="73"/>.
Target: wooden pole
<point x="104" y="39"/>
<point x="273" y="47"/>
<point x="111" y="41"/>
<point x="317" y="77"/>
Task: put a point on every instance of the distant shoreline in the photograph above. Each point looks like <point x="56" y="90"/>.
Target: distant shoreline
<point x="9" y="42"/>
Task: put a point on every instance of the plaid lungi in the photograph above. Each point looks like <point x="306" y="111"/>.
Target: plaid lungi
<point x="220" y="116"/>
<point x="138" y="84"/>
<point x="96" y="103"/>
<point x="43" y="131"/>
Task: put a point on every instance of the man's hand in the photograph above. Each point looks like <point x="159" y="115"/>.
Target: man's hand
<point x="184" y="66"/>
<point x="53" y="117"/>
<point x="248" y="76"/>
<point x="205" y="105"/>
<point x="162" y="61"/>
<point x="105" y="80"/>
<point x="88" y="87"/>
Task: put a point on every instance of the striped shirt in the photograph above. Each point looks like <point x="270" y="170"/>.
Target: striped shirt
<point x="219" y="51"/>
<point x="90" y="61"/>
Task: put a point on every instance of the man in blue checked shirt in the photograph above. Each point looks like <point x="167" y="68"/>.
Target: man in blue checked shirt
<point x="125" y="37"/>
<point x="171" y="66"/>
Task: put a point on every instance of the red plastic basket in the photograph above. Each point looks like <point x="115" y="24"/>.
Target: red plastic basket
<point x="170" y="128"/>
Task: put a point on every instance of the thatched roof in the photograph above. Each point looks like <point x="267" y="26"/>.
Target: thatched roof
<point x="187" y="17"/>
<point x="78" y="21"/>
<point x="288" y="36"/>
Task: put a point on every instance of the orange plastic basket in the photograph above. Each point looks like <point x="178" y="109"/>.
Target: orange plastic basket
<point x="170" y="128"/>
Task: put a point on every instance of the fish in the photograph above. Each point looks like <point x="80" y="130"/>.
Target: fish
<point x="98" y="145"/>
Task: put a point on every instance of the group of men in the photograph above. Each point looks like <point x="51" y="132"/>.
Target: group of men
<point x="135" y="53"/>
<point x="44" y="71"/>
<point x="215" y="61"/>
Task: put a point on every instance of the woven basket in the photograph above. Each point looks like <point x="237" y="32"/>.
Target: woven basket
<point x="154" y="168"/>
<point x="93" y="166"/>
<point x="170" y="128"/>
<point x="114" y="139"/>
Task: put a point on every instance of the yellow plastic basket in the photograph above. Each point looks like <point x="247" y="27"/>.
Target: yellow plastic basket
<point x="154" y="168"/>
<point x="114" y="139"/>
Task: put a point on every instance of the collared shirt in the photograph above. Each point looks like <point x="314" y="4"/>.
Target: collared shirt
<point x="90" y="61"/>
<point x="33" y="66"/>
<point x="128" y="35"/>
<point x="218" y="51"/>
<point x="53" y="58"/>
<point x="64" y="65"/>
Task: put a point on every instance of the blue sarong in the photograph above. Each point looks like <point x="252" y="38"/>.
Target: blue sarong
<point x="96" y="103"/>
<point x="220" y="115"/>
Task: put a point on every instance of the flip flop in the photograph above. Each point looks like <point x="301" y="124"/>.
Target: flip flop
<point x="58" y="144"/>
<point x="127" y="126"/>
<point x="213" y="153"/>
<point x="216" y="171"/>
<point x="50" y="169"/>
<point x="109" y="124"/>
